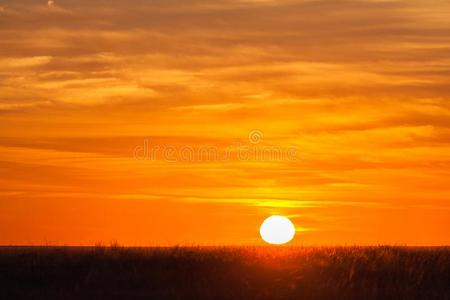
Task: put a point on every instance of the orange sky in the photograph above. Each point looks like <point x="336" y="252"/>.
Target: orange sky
<point x="356" y="91"/>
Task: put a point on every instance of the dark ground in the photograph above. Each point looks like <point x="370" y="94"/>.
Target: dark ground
<point x="225" y="273"/>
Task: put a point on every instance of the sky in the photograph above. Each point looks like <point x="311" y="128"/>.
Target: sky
<point x="185" y="122"/>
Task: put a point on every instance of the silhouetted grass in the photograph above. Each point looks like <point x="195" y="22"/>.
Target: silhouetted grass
<point x="225" y="273"/>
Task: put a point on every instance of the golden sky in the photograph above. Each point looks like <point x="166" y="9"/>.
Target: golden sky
<point x="356" y="91"/>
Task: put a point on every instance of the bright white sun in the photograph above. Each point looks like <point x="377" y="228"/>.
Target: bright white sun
<point x="277" y="230"/>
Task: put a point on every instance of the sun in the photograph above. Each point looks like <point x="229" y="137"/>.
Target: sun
<point x="277" y="230"/>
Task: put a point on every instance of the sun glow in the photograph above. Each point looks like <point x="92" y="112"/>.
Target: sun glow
<point x="277" y="230"/>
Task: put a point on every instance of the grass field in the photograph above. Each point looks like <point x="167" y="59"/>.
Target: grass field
<point x="225" y="273"/>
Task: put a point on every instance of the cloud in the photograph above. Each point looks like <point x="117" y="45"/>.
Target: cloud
<point x="25" y="62"/>
<point x="360" y="88"/>
<point x="172" y="47"/>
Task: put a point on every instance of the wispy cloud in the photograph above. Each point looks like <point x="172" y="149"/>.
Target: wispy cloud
<point x="360" y="88"/>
